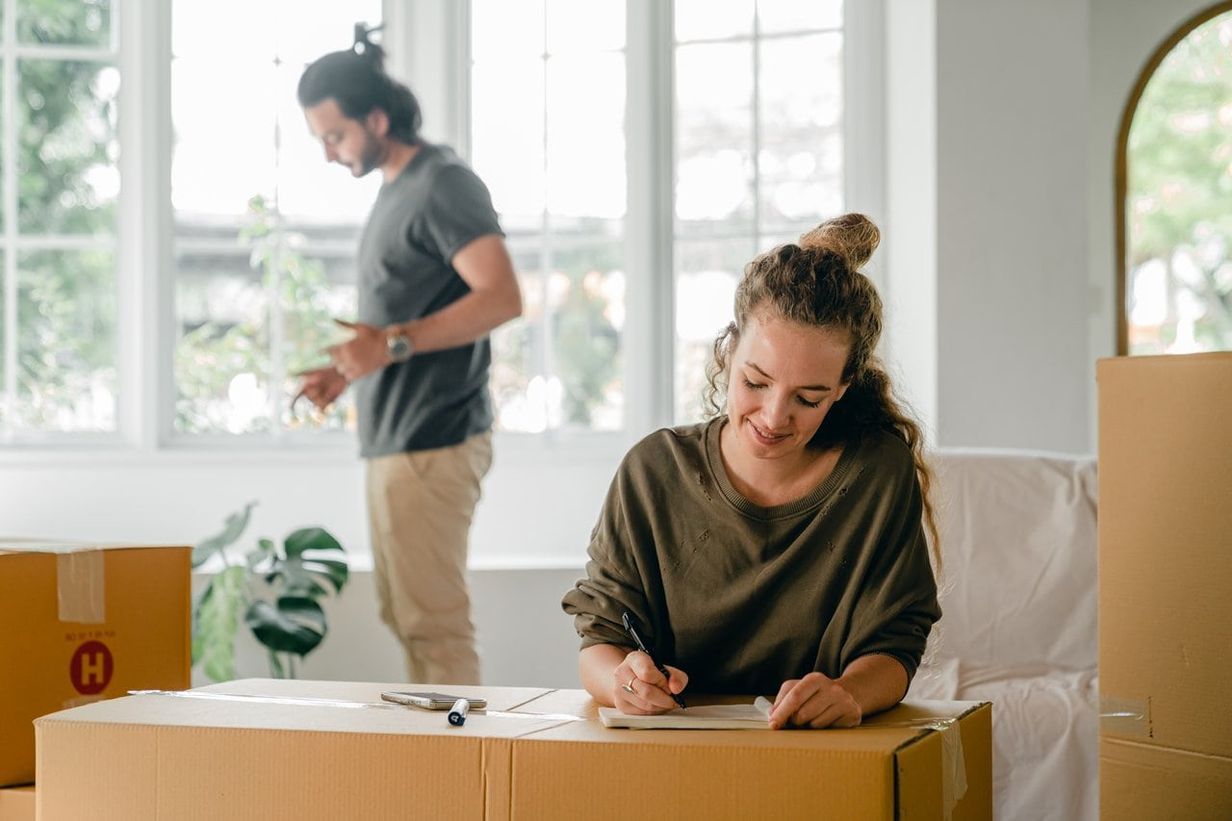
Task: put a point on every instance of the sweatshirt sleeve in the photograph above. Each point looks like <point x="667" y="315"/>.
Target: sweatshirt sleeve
<point x="897" y="604"/>
<point x="613" y="581"/>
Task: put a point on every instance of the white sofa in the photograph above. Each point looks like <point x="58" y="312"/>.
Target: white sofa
<point x="1019" y="597"/>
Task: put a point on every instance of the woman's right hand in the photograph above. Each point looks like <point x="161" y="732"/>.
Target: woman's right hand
<point x="640" y="689"/>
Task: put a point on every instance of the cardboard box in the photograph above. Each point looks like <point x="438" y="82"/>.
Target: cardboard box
<point x="1140" y="781"/>
<point x="17" y="803"/>
<point x="1165" y="569"/>
<point x="263" y="748"/>
<point x="84" y="623"/>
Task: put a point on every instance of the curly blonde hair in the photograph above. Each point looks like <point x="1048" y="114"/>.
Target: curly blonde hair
<point x="818" y="282"/>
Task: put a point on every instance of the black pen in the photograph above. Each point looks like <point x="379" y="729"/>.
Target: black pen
<point x="628" y="623"/>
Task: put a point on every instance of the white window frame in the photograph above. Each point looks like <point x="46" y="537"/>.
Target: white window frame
<point x="13" y="244"/>
<point x="429" y="45"/>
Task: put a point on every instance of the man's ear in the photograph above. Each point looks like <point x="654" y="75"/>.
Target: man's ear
<point x="377" y="122"/>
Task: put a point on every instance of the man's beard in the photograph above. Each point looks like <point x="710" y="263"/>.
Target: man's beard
<point x="372" y="155"/>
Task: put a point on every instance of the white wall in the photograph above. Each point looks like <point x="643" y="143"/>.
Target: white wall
<point x="1012" y="97"/>
<point x="524" y="638"/>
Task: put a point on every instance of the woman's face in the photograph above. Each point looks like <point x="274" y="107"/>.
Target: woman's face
<point x="782" y="380"/>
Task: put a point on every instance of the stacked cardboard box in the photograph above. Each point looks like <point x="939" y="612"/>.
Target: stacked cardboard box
<point x="296" y="749"/>
<point x="84" y="623"/>
<point x="17" y="803"/>
<point x="1165" y="574"/>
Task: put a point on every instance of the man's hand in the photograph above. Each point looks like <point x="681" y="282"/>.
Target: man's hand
<point x="814" y="701"/>
<point x="320" y="387"/>
<point x="361" y="355"/>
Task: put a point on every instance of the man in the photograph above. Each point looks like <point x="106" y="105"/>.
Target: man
<point x="434" y="279"/>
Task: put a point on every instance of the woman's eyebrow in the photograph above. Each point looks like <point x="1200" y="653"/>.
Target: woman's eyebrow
<point x="757" y="368"/>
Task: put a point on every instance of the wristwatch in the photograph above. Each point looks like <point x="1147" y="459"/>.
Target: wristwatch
<point x="398" y="346"/>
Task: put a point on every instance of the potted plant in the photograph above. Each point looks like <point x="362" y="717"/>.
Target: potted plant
<point x="277" y="590"/>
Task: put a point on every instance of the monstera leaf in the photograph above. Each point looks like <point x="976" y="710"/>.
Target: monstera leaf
<point x="306" y="565"/>
<point x="216" y="617"/>
<point x="231" y="532"/>
<point x="295" y="624"/>
<point x="311" y="565"/>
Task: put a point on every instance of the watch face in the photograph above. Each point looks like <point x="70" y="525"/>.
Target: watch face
<point x="399" y="348"/>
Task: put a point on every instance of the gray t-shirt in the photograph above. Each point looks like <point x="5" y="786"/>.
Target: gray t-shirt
<point x="435" y="207"/>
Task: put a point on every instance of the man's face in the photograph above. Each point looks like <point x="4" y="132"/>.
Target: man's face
<point x="353" y="143"/>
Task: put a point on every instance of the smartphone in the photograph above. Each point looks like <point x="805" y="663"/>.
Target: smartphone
<point x="430" y="701"/>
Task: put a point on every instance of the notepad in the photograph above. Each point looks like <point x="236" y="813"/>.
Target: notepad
<point x="755" y="716"/>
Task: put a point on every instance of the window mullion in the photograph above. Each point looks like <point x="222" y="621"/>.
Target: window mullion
<point x="650" y="337"/>
<point x="8" y="275"/>
<point x="755" y="105"/>
<point x="864" y="113"/>
<point x="144" y="224"/>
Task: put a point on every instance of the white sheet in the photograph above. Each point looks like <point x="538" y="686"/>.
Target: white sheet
<point x="1019" y="597"/>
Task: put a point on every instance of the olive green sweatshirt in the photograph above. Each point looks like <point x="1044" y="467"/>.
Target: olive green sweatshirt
<point x="743" y="597"/>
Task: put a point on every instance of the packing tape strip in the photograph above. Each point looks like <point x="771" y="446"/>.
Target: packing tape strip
<point x="953" y="762"/>
<point x="80" y="590"/>
<point x="1125" y="716"/>
<point x="335" y="702"/>
<point x="953" y="765"/>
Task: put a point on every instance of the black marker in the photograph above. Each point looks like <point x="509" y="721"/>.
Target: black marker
<point x="457" y="713"/>
<point x="627" y="620"/>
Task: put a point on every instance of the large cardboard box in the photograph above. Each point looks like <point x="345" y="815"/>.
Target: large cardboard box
<point x="291" y="749"/>
<point x="1165" y="573"/>
<point x="84" y="623"/>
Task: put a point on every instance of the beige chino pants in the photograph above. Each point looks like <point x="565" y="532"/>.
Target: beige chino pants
<point x="420" y="507"/>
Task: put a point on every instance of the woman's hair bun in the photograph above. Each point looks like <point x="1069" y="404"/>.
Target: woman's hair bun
<point x="853" y="237"/>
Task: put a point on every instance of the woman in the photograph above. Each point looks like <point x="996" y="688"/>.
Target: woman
<point x="779" y="546"/>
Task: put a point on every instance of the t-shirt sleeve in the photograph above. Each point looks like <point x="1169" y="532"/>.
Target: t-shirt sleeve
<point x="613" y="583"/>
<point x="459" y="211"/>
<point x="897" y="605"/>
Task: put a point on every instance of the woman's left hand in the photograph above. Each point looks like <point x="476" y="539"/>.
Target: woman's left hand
<point x="814" y="701"/>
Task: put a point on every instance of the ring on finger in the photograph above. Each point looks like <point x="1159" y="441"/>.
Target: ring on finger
<point x="628" y="686"/>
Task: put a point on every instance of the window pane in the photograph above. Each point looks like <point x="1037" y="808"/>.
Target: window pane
<point x="80" y="23"/>
<point x="586" y="136"/>
<point x="586" y="296"/>
<point x="3" y="139"/>
<point x="520" y="383"/>
<point x="774" y="16"/>
<point x="712" y="19"/>
<point x="222" y="359"/>
<point x="218" y="163"/>
<point x="593" y="26"/>
<point x="510" y="160"/>
<point x="714" y="139"/>
<point x="4" y="348"/>
<point x="560" y="365"/>
<point x="507" y="30"/>
<point x="265" y="230"/>
<point x="1179" y="254"/>
<point x="66" y="346"/>
<point x="68" y="178"/>
<point x="707" y="273"/>
<point x="247" y="28"/>
<point x="314" y="288"/>
<point x="558" y="180"/>
<point x="801" y="159"/>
